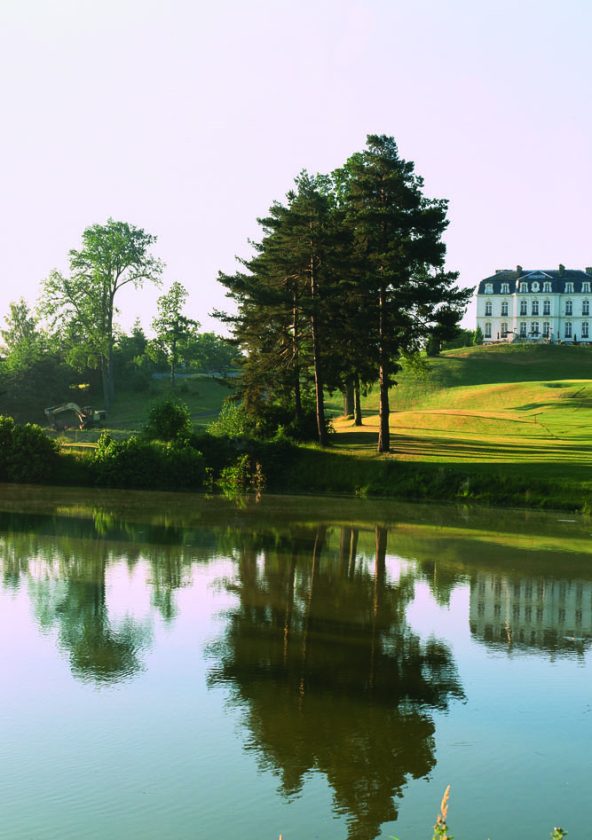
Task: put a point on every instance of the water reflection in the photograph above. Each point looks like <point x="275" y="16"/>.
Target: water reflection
<point x="553" y="615"/>
<point x="319" y="654"/>
<point x="316" y="651"/>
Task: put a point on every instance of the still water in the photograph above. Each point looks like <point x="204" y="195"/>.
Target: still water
<point x="177" y="667"/>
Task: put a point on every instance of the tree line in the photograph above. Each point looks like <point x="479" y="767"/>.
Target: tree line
<point x="70" y="340"/>
<point x="347" y="279"/>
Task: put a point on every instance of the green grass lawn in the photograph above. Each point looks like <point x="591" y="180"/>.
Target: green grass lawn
<point x="202" y="394"/>
<point x="515" y="417"/>
<point x="524" y="412"/>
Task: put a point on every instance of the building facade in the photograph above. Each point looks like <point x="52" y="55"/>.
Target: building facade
<point x="549" y="305"/>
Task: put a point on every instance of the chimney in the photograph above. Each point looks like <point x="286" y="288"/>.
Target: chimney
<point x="518" y="270"/>
<point x="589" y="269"/>
<point x="561" y="270"/>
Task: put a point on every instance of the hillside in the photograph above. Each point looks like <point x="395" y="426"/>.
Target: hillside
<point x="521" y="412"/>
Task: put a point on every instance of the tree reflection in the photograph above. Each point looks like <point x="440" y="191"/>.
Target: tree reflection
<point x="318" y="653"/>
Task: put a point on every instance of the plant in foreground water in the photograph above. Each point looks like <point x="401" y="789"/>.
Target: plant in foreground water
<point x="441" y="826"/>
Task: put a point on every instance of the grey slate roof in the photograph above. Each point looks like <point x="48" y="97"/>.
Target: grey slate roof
<point x="558" y="280"/>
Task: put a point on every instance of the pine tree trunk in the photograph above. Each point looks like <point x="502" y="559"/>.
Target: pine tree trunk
<point x="384" y="436"/>
<point x="316" y="354"/>
<point x="348" y="397"/>
<point x="296" y="363"/>
<point x="357" y="402"/>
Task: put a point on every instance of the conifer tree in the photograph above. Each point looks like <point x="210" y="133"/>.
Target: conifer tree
<point x="399" y="258"/>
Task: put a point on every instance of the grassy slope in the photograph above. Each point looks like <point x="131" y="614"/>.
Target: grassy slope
<point x="521" y="412"/>
<point x="202" y="394"/>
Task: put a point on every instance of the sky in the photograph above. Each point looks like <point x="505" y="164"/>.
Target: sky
<point x="188" y="119"/>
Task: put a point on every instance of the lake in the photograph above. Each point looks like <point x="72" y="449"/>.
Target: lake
<point x="173" y="666"/>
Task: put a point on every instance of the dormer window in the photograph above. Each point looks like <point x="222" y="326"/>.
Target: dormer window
<point x="505" y="290"/>
<point x="586" y="287"/>
<point x="569" y="288"/>
<point x="546" y="286"/>
<point x="524" y="287"/>
<point x="535" y="286"/>
<point x="489" y="288"/>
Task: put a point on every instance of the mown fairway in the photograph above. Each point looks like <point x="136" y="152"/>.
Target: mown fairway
<point x="525" y="410"/>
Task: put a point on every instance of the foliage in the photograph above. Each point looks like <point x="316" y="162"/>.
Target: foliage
<point x="233" y="421"/>
<point x="140" y="463"/>
<point x="168" y="420"/>
<point x="478" y="339"/>
<point x="173" y="329"/>
<point x="24" y="343"/>
<point x="26" y="453"/>
<point x="211" y="353"/>
<point x="243" y="476"/>
<point x="82" y="303"/>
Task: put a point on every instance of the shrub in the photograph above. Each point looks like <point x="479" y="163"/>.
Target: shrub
<point x="26" y="453"/>
<point x="168" y="420"/>
<point x="232" y="421"/>
<point x="147" y="464"/>
<point x="245" y="475"/>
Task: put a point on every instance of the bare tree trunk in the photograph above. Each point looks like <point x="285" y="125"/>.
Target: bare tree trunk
<point x="357" y="402"/>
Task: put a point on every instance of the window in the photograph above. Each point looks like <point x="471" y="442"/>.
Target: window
<point x="535" y="307"/>
<point x="535" y="286"/>
<point x="522" y="329"/>
<point x="569" y="288"/>
<point x="524" y="287"/>
<point x="504" y="329"/>
<point x="547" y="286"/>
<point x="489" y="288"/>
<point x="523" y="306"/>
<point x="505" y="289"/>
<point x="568" y="329"/>
<point x="487" y="330"/>
<point x="585" y="307"/>
<point x="534" y="330"/>
<point x="586" y="287"/>
<point x="546" y="307"/>
<point x="546" y="329"/>
<point x="569" y="307"/>
<point x="585" y="333"/>
<point x="505" y="308"/>
<point x="488" y="308"/>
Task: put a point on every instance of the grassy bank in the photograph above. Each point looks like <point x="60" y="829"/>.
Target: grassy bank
<point x="509" y="426"/>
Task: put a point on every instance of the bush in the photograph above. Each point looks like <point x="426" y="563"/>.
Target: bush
<point x="232" y="421"/>
<point x="147" y="464"/>
<point x="26" y="453"/>
<point x="168" y="420"/>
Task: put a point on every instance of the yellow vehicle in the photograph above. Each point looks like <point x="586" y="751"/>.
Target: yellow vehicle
<point x="72" y="416"/>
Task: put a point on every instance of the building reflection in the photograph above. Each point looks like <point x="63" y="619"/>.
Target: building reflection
<point x="545" y="613"/>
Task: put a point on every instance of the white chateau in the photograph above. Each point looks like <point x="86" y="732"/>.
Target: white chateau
<point x="549" y="305"/>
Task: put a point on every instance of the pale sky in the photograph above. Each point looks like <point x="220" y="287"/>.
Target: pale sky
<point x="188" y="119"/>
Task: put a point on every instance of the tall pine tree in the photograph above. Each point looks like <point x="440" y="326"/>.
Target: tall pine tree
<point x="399" y="258"/>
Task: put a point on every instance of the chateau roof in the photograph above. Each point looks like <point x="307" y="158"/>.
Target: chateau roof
<point x="558" y="279"/>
